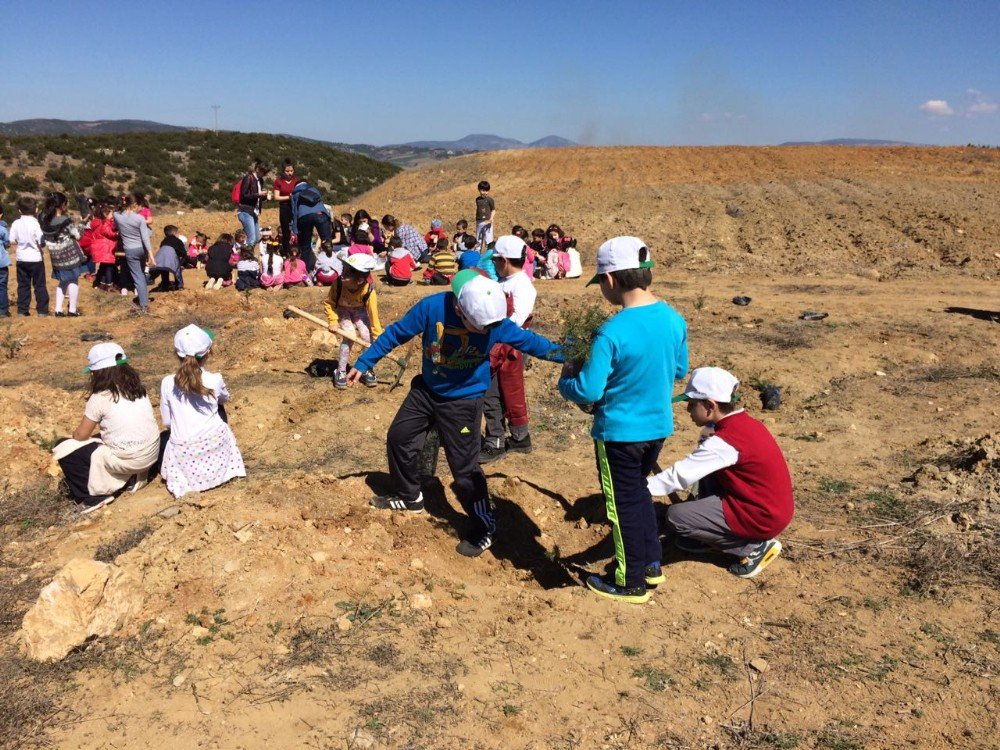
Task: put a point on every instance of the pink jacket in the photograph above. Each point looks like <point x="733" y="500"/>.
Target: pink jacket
<point x="295" y="274"/>
<point x="355" y="248"/>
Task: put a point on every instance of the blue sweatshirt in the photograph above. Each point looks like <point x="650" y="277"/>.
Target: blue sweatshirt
<point x="630" y="373"/>
<point x="4" y="244"/>
<point x="456" y="361"/>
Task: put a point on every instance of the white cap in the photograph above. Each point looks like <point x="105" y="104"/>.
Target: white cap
<point x="710" y="383"/>
<point x="620" y="254"/>
<point x="509" y="246"/>
<point x="480" y="299"/>
<point x="361" y="262"/>
<point x="105" y="355"/>
<point x="192" y="341"/>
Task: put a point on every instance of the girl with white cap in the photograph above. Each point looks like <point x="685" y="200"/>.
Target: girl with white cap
<point x="201" y="452"/>
<point x="97" y="469"/>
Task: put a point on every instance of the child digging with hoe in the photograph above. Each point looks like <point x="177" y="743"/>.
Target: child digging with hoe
<point x="459" y="328"/>
<point x="629" y="377"/>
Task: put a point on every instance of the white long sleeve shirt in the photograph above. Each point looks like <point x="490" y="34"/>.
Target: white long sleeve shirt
<point x="710" y="456"/>
<point x="519" y="287"/>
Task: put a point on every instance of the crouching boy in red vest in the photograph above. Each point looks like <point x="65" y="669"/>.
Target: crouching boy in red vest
<point x="744" y="488"/>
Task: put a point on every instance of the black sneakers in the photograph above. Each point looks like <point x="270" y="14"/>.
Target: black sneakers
<point x="474" y="549"/>
<point x="519" y="446"/>
<point x="490" y="453"/>
<point x="395" y="502"/>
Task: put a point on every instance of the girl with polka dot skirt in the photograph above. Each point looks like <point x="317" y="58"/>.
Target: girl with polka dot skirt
<point x="201" y="452"/>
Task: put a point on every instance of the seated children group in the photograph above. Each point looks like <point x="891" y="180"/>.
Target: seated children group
<point x="472" y="338"/>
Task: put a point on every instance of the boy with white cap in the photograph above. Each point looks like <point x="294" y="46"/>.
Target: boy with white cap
<point x="505" y="398"/>
<point x="744" y="488"/>
<point x="459" y="329"/>
<point x="628" y="377"/>
<point x="352" y="306"/>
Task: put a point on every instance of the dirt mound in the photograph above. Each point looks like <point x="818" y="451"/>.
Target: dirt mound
<point x="805" y="210"/>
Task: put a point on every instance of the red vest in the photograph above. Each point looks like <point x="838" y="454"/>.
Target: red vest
<point x="757" y="491"/>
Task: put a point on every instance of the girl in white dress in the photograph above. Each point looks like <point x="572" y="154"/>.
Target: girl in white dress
<point x="201" y="452"/>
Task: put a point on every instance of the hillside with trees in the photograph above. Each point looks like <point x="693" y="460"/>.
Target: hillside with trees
<point x="192" y="169"/>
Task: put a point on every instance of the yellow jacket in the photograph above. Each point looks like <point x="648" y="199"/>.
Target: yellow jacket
<point x="353" y="300"/>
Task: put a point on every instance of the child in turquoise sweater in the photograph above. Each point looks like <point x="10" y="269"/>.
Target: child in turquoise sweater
<point x="629" y="377"/>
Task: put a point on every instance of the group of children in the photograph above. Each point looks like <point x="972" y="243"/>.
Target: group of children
<point x="472" y="335"/>
<point x="197" y="451"/>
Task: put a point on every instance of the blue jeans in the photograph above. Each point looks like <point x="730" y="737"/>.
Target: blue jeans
<point x="136" y="259"/>
<point x="4" y="300"/>
<point x="251" y="225"/>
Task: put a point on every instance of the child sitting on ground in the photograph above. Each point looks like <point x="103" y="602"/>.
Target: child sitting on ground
<point x="239" y="242"/>
<point x="557" y="261"/>
<point x="328" y="266"/>
<point x="459" y="328"/>
<point x="168" y="261"/>
<point x="294" y="270"/>
<point x="744" y="488"/>
<point x="633" y="362"/>
<point x="442" y="265"/>
<point x="574" y="268"/>
<point x="197" y="251"/>
<point x="98" y="469"/>
<point x="352" y="306"/>
<point x="437" y="232"/>
<point x="362" y="244"/>
<point x="461" y="232"/>
<point x="217" y="267"/>
<point x="247" y="270"/>
<point x="400" y="265"/>
<point x="201" y="452"/>
<point x="271" y="263"/>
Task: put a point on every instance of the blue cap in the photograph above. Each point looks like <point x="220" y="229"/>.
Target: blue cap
<point x="469" y="259"/>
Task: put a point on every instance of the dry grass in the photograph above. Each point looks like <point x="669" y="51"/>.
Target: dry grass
<point x="942" y="562"/>
<point x="35" y="506"/>
<point x="122" y="543"/>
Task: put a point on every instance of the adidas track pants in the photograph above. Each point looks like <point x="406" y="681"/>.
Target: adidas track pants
<point x="623" y="468"/>
<point x="457" y="422"/>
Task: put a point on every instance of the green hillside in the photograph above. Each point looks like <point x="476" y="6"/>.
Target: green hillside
<point x="192" y="169"/>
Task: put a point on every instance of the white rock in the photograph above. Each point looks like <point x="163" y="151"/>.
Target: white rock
<point x="319" y="557"/>
<point x="421" y="601"/>
<point x="85" y="599"/>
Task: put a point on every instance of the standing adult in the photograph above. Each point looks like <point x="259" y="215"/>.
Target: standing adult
<point x="134" y="233"/>
<point x="251" y="198"/>
<point x="308" y="213"/>
<point x="283" y="187"/>
<point x="412" y="241"/>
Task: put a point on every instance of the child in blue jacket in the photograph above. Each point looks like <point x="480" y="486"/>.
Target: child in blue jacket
<point x="629" y="377"/>
<point x="458" y="329"/>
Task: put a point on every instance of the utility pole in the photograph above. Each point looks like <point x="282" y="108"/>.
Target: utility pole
<point x="216" y="108"/>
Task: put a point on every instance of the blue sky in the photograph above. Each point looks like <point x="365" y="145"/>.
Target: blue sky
<point x="660" y="73"/>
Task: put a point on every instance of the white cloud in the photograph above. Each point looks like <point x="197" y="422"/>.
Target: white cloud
<point x="937" y="108"/>
<point x="981" y="104"/>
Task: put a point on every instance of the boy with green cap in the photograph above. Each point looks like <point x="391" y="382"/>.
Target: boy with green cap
<point x="459" y="328"/>
<point x="629" y="377"/>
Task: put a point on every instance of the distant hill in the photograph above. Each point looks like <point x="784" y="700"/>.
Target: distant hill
<point x="190" y="168"/>
<point x="848" y="142"/>
<point x="85" y="127"/>
<point x="485" y="142"/>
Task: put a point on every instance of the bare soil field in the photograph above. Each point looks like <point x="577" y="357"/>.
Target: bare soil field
<point x="280" y="611"/>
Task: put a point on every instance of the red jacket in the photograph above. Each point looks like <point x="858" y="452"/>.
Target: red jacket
<point x="756" y="491"/>
<point x="103" y="239"/>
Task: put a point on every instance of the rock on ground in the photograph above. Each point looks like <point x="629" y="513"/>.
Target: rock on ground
<point x="86" y="599"/>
